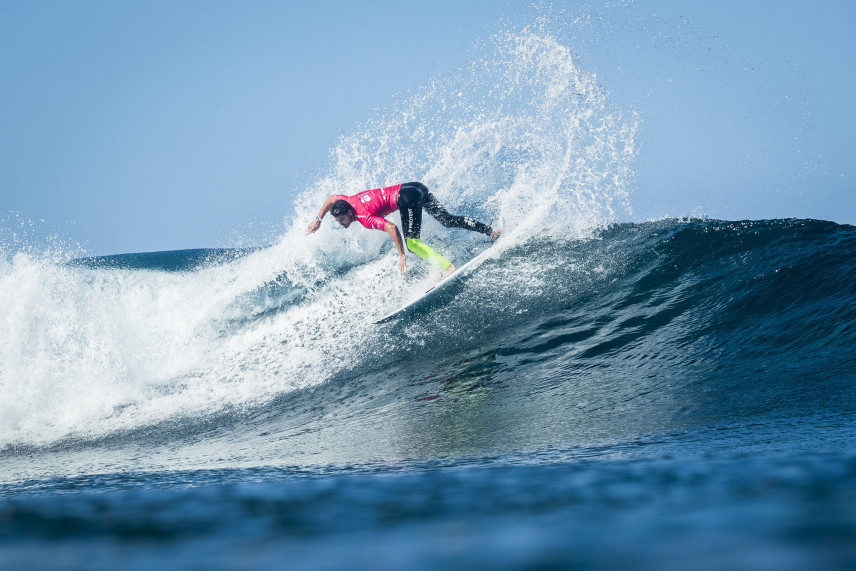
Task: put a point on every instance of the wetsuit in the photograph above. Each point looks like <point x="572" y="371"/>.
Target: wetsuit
<point x="371" y="206"/>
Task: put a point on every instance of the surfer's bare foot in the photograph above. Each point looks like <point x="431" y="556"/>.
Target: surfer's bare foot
<point x="449" y="271"/>
<point x="495" y="234"/>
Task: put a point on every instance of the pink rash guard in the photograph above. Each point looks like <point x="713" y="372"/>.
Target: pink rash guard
<point x="371" y="206"/>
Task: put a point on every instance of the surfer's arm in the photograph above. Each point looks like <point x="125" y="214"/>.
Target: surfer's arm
<point x="325" y="208"/>
<point x="393" y="232"/>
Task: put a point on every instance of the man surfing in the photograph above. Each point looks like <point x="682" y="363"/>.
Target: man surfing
<point x="370" y="208"/>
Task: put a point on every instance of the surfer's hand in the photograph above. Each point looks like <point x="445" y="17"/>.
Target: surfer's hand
<point x="402" y="264"/>
<point x="313" y="226"/>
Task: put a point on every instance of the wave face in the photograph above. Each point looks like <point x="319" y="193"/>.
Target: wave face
<point x="637" y="332"/>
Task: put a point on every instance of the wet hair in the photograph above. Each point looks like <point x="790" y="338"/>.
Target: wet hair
<point x="340" y="207"/>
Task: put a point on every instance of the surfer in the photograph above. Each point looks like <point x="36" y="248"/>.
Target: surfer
<point x="371" y="206"/>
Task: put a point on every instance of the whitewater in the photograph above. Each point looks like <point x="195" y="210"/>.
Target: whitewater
<point x="681" y="384"/>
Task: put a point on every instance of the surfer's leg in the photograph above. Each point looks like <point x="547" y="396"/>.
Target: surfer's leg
<point x="426" y="252"/>
<point x="410" y="207"/>
<point x="410" y="200"/>
<point x="435" y="209"/>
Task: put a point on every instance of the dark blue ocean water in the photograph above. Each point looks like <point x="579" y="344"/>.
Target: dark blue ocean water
<point x="672" y="394"/>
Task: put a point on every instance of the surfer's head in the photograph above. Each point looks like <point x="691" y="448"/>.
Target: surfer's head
<point x="343" y="213"/>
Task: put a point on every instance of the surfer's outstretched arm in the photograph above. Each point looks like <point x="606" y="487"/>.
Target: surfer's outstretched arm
<point x="325" y="208"/>
<point x="393" y="232"/>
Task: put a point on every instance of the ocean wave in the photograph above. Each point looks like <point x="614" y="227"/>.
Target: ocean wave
<point x="637" y="329"/>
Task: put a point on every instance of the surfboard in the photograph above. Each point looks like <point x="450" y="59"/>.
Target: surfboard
<point x="426" y="297"/>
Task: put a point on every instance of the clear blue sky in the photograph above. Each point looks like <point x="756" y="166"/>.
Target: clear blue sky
<point x="147" y="125"/>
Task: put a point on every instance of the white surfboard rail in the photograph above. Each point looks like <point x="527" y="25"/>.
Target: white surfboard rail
<point x="442" y="284"/>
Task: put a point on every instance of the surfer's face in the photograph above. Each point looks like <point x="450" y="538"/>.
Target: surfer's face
<point x="345" y="219"/>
